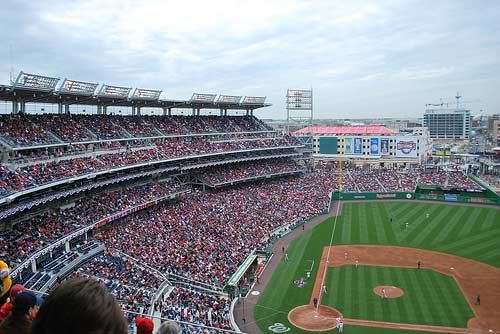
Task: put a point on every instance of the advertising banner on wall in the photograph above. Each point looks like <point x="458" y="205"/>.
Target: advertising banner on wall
<point x="358" y="145"/>
<point x="450" y="197"/>
<point x="328" y="145"/>
<point x="348" y="146"/>
<point x="384" y="147"/>
<point x="374" y="148"/>
<point x="406" y="147"/>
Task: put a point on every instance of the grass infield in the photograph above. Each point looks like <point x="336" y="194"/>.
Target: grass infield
<point x="464" y="231"/>
<point x="430" y="298"/>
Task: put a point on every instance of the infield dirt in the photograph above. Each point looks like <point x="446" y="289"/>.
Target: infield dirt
<point x="472" y="277"/>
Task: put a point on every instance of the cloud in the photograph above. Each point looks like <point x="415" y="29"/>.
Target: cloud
<point x="422" y="74"/>
<point x="352" y="52"/>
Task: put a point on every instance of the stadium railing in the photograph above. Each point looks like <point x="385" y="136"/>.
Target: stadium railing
<point x="28" y="205"/>
<point x="66" y="270"/>
<point x="75" y="178"/>
<point x="82" y="231"/>
<point x="188" y="327"/>
<point x="253" y="178"/>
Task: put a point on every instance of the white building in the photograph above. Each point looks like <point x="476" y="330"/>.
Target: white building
<point x="448" y="124"/>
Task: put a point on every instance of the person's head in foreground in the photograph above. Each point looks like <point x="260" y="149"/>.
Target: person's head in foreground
<point x="23" y="310"/>
<point x="144" y="325"/>
<point x="80" y="306"/>
<point x="169" y="327"/>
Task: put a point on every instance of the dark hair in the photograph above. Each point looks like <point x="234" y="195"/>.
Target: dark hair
<point x="23" y="303"/>
<point x="80" y="306"/>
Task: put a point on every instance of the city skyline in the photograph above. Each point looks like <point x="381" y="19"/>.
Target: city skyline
<point x="362" y="59"/>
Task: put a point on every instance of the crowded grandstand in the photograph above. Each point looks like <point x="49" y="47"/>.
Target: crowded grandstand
<point x="164" y="210"/>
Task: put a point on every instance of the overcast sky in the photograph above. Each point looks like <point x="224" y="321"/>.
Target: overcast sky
<point x="363" y="59"/>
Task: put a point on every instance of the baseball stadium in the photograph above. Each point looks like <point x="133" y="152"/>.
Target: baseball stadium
<point x="198" y="212"/>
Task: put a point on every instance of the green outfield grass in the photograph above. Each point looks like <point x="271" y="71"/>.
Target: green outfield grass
<point x="430" y="298"/>
<point x="465" y="231"/>
<point x="460" y="230"/>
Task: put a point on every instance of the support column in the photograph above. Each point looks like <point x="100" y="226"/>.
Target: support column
<point x="133" y="111"/>
<point x="86" y="236"/>
<point x="5" y="157"/>
<point x="164" y="111"/>
<point x="60" y="108"/>
<point x="22" y="106"/>
<point x="104" y="110"/>
<point x="194" y="111"/>
<point x="99" y="110"/>
<point x="221" y="112"/>
<point x="14" y="108"/>
<point x="66" y="246"/>
<point x="225" y="112"/>
<point x="248" y="112"/>
<point x="138" y="111"/>
<point x="33" y="266"/>
<point x="198" y="113"/>
<point x="169" y="111"/>
<point x="66" y="109"/>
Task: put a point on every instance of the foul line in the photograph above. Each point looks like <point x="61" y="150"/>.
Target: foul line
<point x="327" y="258"/>
<point x="270" y="308"/>
<point x="312" y="265"/>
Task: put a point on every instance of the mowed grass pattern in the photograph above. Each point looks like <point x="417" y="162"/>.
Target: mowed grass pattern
<point x="465" y="231"/>
<point x="460" y="230"/>
<point x="430" y="298"/>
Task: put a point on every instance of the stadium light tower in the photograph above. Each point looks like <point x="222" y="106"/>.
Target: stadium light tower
<point x="299" y="108"/>
<point x="299" y="113"/>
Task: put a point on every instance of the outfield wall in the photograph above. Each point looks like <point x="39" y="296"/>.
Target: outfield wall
<point x="460" y="198"/>
<point x="373" y="196"/>
<point x="420" y="194"/>
<point x="490" y="192"/>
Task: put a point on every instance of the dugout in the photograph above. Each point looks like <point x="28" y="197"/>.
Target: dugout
<point x="239" y="284"/>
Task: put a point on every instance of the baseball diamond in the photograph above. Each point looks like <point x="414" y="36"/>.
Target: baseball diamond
<point x="249" y="167"/>
<point x="454" y="244"/>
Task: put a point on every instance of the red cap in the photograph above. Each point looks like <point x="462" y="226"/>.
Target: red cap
<point x="15" y="290"/>
<point x="144" y="325"/>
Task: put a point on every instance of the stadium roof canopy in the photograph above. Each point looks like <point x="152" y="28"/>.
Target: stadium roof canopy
<point x="32" y="88"/>
<point x="346" y="130"/>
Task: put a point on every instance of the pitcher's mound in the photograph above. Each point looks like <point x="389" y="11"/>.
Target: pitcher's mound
<point x="390" y="291"/>
<point x="306" y="317"/>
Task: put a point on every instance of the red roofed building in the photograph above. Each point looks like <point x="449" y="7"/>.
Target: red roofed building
<point x="373" y="144"/>
<point x="346" y="130"/>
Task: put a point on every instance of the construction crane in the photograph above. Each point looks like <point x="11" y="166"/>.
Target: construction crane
<point x="458" y="102"/>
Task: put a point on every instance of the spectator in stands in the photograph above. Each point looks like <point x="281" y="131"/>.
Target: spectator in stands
<point x="144" y="325"/>
<point x="23" y="312"/>
<point x="44" y="229"/>
<point x="80" y="306"/>
<point x="5" y="281"/>
<point x="169" y="327"/>
<point x="6" y="308"/>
